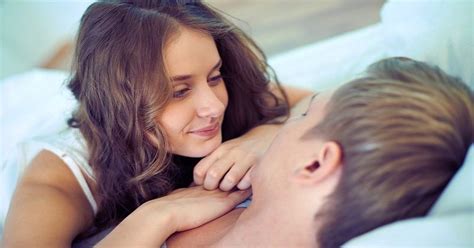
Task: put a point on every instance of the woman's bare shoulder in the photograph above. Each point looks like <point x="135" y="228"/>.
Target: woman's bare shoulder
<point x="48" y="206"/>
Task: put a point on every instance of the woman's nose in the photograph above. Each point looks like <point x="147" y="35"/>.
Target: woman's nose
<point x="208" y="104"/>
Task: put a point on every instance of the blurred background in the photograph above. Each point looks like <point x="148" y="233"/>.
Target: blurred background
<point x="40" y="33"/>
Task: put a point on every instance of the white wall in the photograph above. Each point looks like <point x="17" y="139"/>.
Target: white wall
<point x="31" y="30"/>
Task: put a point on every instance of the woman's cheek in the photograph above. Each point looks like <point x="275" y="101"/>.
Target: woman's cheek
<point x="174" y="120"/>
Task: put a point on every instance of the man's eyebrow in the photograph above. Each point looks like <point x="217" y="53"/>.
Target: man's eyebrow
<point x="309" y="104"/>
<point x="186" y="77"/>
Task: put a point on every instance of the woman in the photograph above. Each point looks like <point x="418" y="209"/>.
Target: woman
<point x="159" y="85"/>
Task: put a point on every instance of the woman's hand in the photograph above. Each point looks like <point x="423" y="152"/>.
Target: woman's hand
<point x="183" y="209"/>
<point x="230" y="164"/>
<point x="193" y="207"/>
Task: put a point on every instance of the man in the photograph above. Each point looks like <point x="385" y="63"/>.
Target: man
<point x="379" y="149"/>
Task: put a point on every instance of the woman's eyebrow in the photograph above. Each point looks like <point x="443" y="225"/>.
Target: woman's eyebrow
<point x="217" y="66"/>
<point x="309" y="104"/>
<point x="186" y="77"/>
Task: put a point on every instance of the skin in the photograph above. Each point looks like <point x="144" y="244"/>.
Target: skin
<point x="285" y="179"/>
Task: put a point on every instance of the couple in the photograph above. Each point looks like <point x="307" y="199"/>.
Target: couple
<point x="379" y="149"/>
<point x="161" y="84"/>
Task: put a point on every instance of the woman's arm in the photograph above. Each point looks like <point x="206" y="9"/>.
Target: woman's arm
<point x="183" y="209"/>
<point x="48" y="208"/>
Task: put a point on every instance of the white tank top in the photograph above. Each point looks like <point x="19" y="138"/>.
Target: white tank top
<point x="69" y="146"/>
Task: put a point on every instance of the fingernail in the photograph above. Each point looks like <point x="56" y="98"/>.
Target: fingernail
<point x="225" y="186"/>
<point x="243" y="185"/>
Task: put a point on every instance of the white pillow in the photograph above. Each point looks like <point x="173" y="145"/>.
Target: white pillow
<point x="459" y="195"/>
<point x="439" y="32"/>
<point x="34" y="103"/>
<point x="441" y="231"/>
<point x="327" y="64"/>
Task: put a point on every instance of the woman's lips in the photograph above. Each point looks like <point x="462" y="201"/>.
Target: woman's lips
<point x="209" y="131"/>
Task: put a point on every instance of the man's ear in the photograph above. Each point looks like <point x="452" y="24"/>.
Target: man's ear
<point x="321" y="165"/>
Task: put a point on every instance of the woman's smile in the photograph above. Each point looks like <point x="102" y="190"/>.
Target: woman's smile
<point x="207" y="132"/>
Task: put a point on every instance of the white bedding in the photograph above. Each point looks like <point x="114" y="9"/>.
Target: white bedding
<point x="35" y="103"/>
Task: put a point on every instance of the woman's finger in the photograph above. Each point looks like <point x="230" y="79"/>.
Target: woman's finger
<point x="217" y="171"/>
<point x="245" y="182"/>
<point x="201" y="168"/>
<point x="236" y="173"/>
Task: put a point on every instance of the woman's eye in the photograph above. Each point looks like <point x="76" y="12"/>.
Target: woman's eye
<point x="304" y="114"/>
<point x="180" y="93"/>
<point x="213" y="81"/>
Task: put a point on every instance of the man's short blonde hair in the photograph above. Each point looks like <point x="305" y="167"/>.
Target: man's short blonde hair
<point x="404" y="129"/>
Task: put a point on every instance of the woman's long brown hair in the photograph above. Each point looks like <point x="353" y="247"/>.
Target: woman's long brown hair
<point x="120" y="82"/>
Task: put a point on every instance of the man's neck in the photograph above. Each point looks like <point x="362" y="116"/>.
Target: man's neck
<point x="269" y="227"/>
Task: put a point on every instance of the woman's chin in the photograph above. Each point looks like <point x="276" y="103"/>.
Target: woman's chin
<point x="202" y="149"/>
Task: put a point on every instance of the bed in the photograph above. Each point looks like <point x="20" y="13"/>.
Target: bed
<point x="35" y="103"/>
